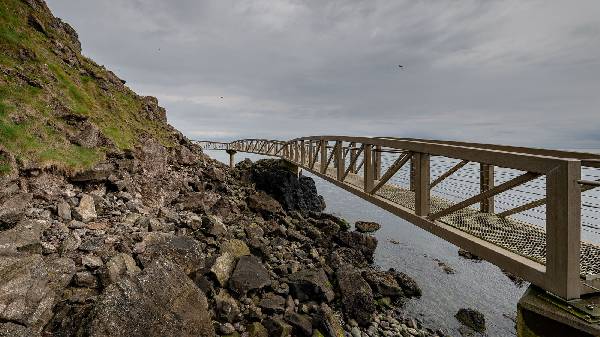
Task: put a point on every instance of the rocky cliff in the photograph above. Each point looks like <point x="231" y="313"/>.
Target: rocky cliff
<point x="113" y="224"/>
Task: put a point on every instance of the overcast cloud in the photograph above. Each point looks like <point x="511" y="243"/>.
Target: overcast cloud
<point x="512" y="71"/>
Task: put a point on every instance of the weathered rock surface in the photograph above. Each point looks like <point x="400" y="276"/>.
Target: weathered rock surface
<point x="311" y="284"/>
<point x="86" y="211"/>
<point x="12" y="209"/>
<point x="357" y="296"/>
<point x="184" y="251"/>
<point x="367" y="226"/>
<point x="160" y="301"/>
<point x="363" y="242"/>
<point x="249" y="274"/>
<point x="471" y="318"/>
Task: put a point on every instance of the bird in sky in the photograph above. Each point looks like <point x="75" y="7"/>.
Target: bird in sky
<point x="400" y="66"/>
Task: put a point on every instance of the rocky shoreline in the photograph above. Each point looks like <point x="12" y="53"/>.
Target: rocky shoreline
<point x="189" y="248"/>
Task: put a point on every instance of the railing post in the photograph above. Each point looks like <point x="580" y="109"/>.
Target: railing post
<point x="377" y="162"/>
<point x="311" y="153"/>
<point x="339" y="159"/>
<point x="412" y="174"/>
<point x="353" y="153"/>
<point x="563" y="229"/>
<point x="323" y="162"/>
<point x="368" y="172"/>
<point x="421" y="181"/>
<point x="486" y="182"/>
<point x="302" y="153"/>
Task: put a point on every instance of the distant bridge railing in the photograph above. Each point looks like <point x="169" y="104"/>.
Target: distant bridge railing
<point x="522" y="209"/>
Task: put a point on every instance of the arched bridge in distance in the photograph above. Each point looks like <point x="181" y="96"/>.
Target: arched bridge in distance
<point x="522" y="209"/>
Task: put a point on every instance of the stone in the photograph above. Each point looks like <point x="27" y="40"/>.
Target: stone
<point x="264" y="204"/>
<point x="249" y="274"/>
<point x="213" y="225"/>
<point x="357" y="296"/>
<point x="226" y="306"/>
<point x="471" y="318"/>
<point x="363" y="242"/>
<point x="91" y="261"/>
<point x="468" y="255"/>
<point x="367" y="226"/>
<point x="130" y="307"/>
<point x="237" y="248"/>
<point x="86" y="211"/>
<point x="409" y="286"/>
<point x="223" y="267"/>
<point x="85" y="279"/>
<point x="119" y="266"/>
<point x="184" y="251"/>
<point x="256" y="329"/>
<point x="329" y="322"/>
<point x="302" y="324"/>
<point x="71" y="243"/>
<point x="383" y="283"/>
<point x="272" y="303"/>
<point x="10" y="329"/>
<point x="64" y="210"/>
<point x="24" y="237"/>
<point x="277" y="327"/>
<point x="226" y="329"/>
<point x="12" y="209"/>
<point x="311" y="284"/>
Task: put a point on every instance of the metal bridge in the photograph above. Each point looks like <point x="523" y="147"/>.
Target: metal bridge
<point x="522" y="209"/>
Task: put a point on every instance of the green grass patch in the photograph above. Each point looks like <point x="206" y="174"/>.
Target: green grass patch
<point x="73" y="157"/>
<point x="4" y="166"/>
<point x="81" y="103"/>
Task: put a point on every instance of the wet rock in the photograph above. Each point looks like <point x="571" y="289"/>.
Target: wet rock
<point x="363" y="242"/>
<point x="119" y="266"/>
<point x="367" y="226"/>
<point x="357" y="296"/>
<point x="302" y="324"/>
<point x="184" y="251"/>
<point x="86" y="211"/>
<point x="291" y="191"/>
<point x="383" y="283"/>
<point x="129" y="308"/>
<point x="409" y="286"/>
<point x="311" y="284"/>
<point x="249" y="274"/>
<point x="12" y="209"/>
<point x="468" y="255"/>
<point x="471" y="318"/>
<point x="264" y="204"/>
<point x="277" y="327"/>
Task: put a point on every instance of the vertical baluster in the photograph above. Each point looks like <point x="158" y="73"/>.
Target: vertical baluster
<point x="368" y="169"/>
<point x="323" y="156"/>
<point x="339" y="159"/>
<point x="486" y="182"/>
<point x="421" y="167"/>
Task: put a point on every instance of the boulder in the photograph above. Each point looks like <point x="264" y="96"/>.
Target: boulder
<point x="237" y="248"/>
<point x="329" y="322"/>
<point x="227" y="308"/>
<point x="264" y="204"/>
<point x="311" y="284"/>
<point x="363" y="242"/>
<point x="184" y="251"/>
<point x="119" y="266"/>
<point x="64" y="210"/>
<point x="160" y="301"/>
<point x="13" y="208"/>
<point x="357" y="297"/>
<point x="257" y="330"/>
<point x="213" y="225"/>
<point x="249" y="274"/>
<point x="383" y="284"/>
<point x="367" y="226"/>
<point x="471" y="318"/>
<point x="302" y="324"/>
<point x="86" y="211"/>
<point x="277" y="327"/>
<point x="272" y="303"/>
<point x="10" y="329"/>
<point x="409" y="286"/>
<point x="24" y="237"/>
<point x="293" y="193"/>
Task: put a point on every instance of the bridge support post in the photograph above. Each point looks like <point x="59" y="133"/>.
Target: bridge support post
<point x="323" y="162"/>
<point x="422" y="173"/>
<point x="368" y="172"/>
<point x="538" y="315"/>
<point x="339" y="159"/>
<point x="231" y="157"/>
<point x="377" y="162"/>
<point x="563" y="229"/>
<point x="486" y="182"/>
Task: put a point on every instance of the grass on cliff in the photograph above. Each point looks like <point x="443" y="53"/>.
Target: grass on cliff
<point x="33" y="135"/>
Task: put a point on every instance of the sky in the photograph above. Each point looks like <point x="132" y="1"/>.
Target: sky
<point x="521" y="72"/>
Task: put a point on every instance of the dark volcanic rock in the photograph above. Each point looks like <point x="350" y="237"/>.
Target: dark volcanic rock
<point x="184" y="251"/>
<point x="311" y="284"/>
<point x="302" y="324"/>
<point x="468" y="255"/>
<point x="410" y="288"/>
<point x="264" y="203"/>
<point x="367" y="226"/>
<point x="382" y="283"/>
<point x="363" y="242"/>
<point x="161" y="301"/>
<point x="471" y="318"/>
<point x="277" y="327"/>
<point x="293" y="193"/>
<point x="249" y="274"/>
<point x="357" y="296"/>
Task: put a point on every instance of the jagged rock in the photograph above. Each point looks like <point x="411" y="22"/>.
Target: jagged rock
<point x="91" y="261"/>
<point x="264" y="203"/>
<point x="471" y="318"/>
<point x="302" y="324"/>
<point x="363" y="242"/>
<point x="409" y="286"/>
<point x="10" y="329"/>
<point x="468" y="255"/>
<point x="223" y="267"/>
<point x="237" y="248"/>
<point x="226" y="307"/>
<point x="213" y="225"/>
<point x="256" y="329"/>
<point x="89" y="137"/>
<point x="85" y="279"/>
<point x="160" y="301"/>
<point x="277" y="327"/>
<point x="86" y="211"/>
<point x="367" y="226"/>
<point x="292" y="192"/>
<point x="328" y="321"/>
<point x="152" y="110"/>
<point x="382" y="283"/>
<point x="98" y="173"/>
<point x="119" y="266"/>
<point x="184" y="251"/>
<point x="64" y="210"/>
<point x="347" y="255"/>
<point x="249" y="274"/>
<point x="272" y="303"/>
<point x="24" y="237"/>
<point x="311" y="284"/>
<point x="12" y="209"/>
<point x="357" y="296"/>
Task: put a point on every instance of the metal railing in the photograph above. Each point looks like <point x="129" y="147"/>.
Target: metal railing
<point x="519" y="208"/>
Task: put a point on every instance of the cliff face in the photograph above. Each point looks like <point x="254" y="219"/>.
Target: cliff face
<point x="60" y="109"/>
